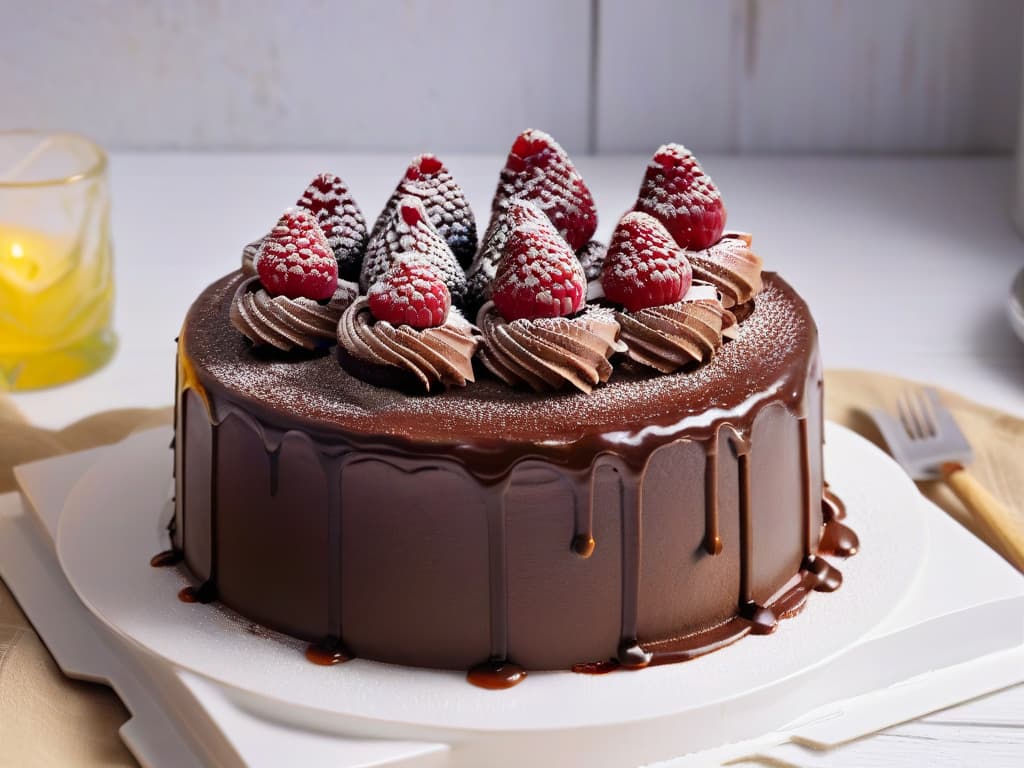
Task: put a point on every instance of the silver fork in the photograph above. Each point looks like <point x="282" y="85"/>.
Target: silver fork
<point x="924" y="438"/>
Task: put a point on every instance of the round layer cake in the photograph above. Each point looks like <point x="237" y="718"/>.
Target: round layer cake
<point x="654" y="519"/>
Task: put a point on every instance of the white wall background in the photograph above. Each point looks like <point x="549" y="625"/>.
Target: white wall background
<point x="601" y="75"/>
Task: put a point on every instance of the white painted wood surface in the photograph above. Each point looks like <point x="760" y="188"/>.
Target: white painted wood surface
<point x="467" y="75"/>
<point x="360" y="74"/>
<point x="809" y="75"/>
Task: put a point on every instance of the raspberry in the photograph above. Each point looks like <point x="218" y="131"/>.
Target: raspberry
<point x="539" y="170"/>
<point x="428" y="179"/>
<point x="538" y="275"/>
<point x="644" y="267"/>
<point x="678" y="193"/>
<point x="408" y="233"/>
<point x="481" y="276"/>
<point x="295" y="259"/>
<point x="328" y="199"/>
<point x="411" y="293"/>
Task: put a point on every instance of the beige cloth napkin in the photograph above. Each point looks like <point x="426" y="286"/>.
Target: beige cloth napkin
<point x="47" y="719"/>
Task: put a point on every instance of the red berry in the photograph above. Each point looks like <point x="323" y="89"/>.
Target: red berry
<point x="295" y="259"/>
<point x="407" y="234"/>
<point x="428" y="179"/>
<point x="538" y="275"/>
<point x="644" y="267"/>
<point x="411" y="293"/>
<point x="678" y="193"/>
<point x="331" y="204"/>
<point x="539" y="170"/>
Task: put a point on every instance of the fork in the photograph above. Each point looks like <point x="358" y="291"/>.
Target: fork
<point x="924" y="438"/>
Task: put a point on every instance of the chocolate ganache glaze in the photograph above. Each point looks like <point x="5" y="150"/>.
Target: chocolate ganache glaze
<point x="495" y="530"/>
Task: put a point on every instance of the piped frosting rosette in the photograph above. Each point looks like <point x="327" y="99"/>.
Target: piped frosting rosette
<point x="537" y="329"/>
<point x="294" y="300"/>
<point x="668" y="322"/>
<point x="549" y="352"/>
<point x="673" y="336"/>
<point x="401" y="355"/>
<point x="405" y="333"/>
<point x="286" y="323"/>
<point x="731" y="266"/>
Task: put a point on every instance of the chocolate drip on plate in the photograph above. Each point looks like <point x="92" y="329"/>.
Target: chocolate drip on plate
<point x="166" y="558"/>
<point x="496" y="674"/>
<point x="328" y="652"/>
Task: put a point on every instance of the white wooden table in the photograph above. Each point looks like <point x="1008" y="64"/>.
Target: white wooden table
<point x="906" y="264"/>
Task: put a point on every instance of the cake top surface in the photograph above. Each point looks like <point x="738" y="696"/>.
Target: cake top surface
<point x="769" y="357"/>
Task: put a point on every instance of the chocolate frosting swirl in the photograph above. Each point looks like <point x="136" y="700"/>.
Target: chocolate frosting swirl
<point x="249" y="257"/>
<point x="432" y="357"/>
<point x="731" y="267"/>
<point x="285" y="323"/>
<point x="549" y="352"/>
<point x="670" y="337"/>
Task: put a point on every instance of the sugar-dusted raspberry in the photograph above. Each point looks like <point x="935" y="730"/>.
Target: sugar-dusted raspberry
<point x="428" y="179"/>
<point x="644" y="267"/>
<point x="538" y="275"/>
<point x="411" y="293"/>
<point x="678" y="193"/>
<point x="295" y="259"/>
<point x="539" y="170"/>
<point x="409" y="233"/>
<point x="331" y="203"/>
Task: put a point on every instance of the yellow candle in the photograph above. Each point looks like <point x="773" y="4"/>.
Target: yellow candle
<point x="55" y="293"/>
<point x="56" y="271"/>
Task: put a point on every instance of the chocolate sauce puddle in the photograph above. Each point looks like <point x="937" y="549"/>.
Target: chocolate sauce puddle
<point x="328" y="652"/>
<point x="166" y="558"/>
<point x="496" y="675"/>
<point x="816" y="575"/>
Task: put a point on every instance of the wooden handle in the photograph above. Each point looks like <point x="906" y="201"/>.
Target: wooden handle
<point x="989" y="511"/>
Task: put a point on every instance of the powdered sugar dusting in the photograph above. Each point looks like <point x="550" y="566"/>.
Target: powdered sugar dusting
<point x="776" y="339"/>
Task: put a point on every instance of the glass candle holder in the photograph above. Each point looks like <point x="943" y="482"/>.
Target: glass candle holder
<point x="56" y="265"/>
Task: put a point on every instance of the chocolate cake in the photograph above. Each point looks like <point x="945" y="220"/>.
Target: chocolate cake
<point x="617" y="483"/>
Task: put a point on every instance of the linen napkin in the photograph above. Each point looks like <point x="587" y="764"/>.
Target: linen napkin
<point x="48" y="719"/>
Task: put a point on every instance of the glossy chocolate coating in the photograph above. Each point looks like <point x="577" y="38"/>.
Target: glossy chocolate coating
<point x="660" y="517"/>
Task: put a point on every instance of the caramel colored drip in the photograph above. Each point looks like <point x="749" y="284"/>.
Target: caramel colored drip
<point x="712" y="538"/>
<point x="583" y="543"/>
<point x="204" y="593"/>
<point x="188" y="379"/>
<point x="496" y="675"/>
<point x="328" y="652"/>
<point x="166" y="558"/>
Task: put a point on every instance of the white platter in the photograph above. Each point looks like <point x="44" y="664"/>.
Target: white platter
<point x="113" y="522"/>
